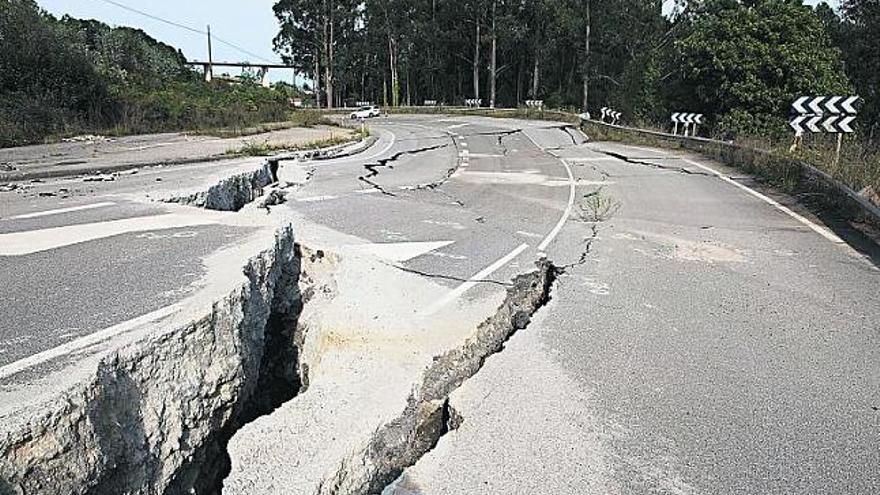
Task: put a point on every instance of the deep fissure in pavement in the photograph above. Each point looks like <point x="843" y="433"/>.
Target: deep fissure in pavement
<point x="232" y="193"/>
<point x="428" y="414"/>
<point x="158" y="413"/>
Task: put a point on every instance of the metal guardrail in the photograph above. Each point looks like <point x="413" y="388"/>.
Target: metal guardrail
<point x="869" y="210"/>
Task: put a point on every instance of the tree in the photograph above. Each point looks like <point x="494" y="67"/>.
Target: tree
<point x="858" y="38"/>
<point x="745" y="62"/>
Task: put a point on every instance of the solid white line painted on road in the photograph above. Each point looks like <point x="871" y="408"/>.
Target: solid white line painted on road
<point x="457" y="126"/>
<point x="572" y="191"/>
<point x="85" y="341"/>
<point x="823" y="231"/>
<point x="401" y="251"/>
<point x="367" y="191"/>
<point x="473" y="281"/>
<point x="61" y="210"/>
<point x="34" y="241"/>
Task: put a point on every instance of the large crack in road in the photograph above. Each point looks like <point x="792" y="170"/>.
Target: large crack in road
<point x="373" y="169"/>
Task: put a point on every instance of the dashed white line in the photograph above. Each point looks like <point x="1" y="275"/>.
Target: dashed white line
<point x="474" y="280"/>
<point x="86" y="341"/>
<point x="61" y="210"/>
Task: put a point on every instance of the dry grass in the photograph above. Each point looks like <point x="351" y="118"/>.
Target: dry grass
<point x="267" y="148"/>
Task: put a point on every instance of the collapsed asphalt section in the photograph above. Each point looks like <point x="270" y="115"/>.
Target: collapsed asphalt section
<point x="154" y="416"/>
<point x="428" y="415"/>
<point x="379" y="382"/>
<point x="232" y="193"/>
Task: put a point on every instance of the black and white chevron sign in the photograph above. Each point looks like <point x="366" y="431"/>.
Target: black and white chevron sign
<point x="608" y="113"/>
<point x="821" y="123"/>
<point x="475" y="102"/>
<point x="831" y="114"/>
<point x="827" y="104"/>
<point x="535" y="103"/>
<point x="687" y="118"/>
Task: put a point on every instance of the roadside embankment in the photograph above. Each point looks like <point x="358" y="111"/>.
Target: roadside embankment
<point x="789" y="174"/>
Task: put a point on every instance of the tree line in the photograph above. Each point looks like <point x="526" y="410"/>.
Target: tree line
<point x="740" y="62"/>
<point x="66" y="76"/>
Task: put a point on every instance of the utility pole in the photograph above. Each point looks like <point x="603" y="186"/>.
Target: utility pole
<point x="586" y="67"/>
<point x="209" y="70"/>
<point x="494" y="64"/>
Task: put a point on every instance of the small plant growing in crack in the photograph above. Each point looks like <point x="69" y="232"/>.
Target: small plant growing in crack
<point x="596" y="207"/>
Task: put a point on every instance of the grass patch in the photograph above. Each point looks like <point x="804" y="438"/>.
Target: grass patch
<point x="268" y="148"/>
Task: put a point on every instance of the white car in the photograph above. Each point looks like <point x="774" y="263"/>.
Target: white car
<point x="366" y="112"/>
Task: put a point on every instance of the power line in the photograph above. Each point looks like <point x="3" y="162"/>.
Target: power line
<point x="155" y="18"/>
<point x="188" y="28"/>
<point x="242" y="50"/>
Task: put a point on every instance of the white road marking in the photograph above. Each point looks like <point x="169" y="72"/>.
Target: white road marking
<point x="85" y="341"/>
<point x="572" y="192"/>
<point x="61" y="210"/>
<point x="315" y="199"/>
<point x="367" y="191"/>
<point x="485" y="155"/>
<point x="34" y="241"/>
<point x="823" y="231"/>
<point x="347" y="160"/>
<point x="473" y="281"/>
<point x="457" y="126"/>
<point x="401" y="251"/>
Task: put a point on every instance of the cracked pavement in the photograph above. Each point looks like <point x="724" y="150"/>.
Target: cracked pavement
<point x="697" y="340"/>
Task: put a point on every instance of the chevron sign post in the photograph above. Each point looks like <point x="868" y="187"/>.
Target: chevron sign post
<point x="608" y="113"/>
<point x="535" y="104"/>
<point x="474" y="102"/>
<point x="691" y="120"/>
<point x="832" y="114"/>
<point x="824" y="114"/>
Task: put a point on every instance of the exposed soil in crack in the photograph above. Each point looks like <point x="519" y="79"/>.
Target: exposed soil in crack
<point x="156" y="415"/>
<point x="373" y="169"/>
<point x="232" y="193"/>
<point x="428" y="415"/>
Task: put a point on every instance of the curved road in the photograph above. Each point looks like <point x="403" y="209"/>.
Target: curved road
<point x="702" y="338"/>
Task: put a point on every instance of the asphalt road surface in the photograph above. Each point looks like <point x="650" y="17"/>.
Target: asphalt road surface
<point x="702" y="338"/>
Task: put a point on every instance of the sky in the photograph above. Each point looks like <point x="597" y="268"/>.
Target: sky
<point x="668" y="4"/>
<point x="250" y="24"/>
